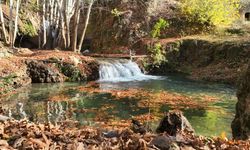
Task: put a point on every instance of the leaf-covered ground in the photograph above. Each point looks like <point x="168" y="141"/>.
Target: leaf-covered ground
<point x="26" y="135"/>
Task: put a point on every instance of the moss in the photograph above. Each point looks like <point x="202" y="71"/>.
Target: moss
<point x="72" y="72"/>
<point x="6" y="83"/>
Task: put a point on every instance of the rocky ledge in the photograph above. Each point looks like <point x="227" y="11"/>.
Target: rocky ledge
<point x="45" y="67"/>
<point x="241" y="123"/>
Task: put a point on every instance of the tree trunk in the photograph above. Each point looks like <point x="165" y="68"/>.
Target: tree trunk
<point x="16" y="20"/>
<point x="44" y="25"/>
<point x="75" y="25"/>
<point x="86" y="24"/>
<point x="11" y="24"/>
<point x="3" y="25"/>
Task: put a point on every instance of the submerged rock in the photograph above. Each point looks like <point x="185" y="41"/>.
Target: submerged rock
<point x="241" y="122"/>
<point x="173" y="123"/>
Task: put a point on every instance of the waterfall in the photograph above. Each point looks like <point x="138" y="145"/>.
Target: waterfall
<point x="121" y="70"/>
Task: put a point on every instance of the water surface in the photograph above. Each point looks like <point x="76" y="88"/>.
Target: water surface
<point x="59" y="102"/>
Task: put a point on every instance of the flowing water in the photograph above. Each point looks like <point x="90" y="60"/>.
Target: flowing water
<point x="120" y="70"/>
<point x="71" y="101"/>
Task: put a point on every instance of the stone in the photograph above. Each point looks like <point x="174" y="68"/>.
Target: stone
<point x="174" y="122"/>
<point x="241" y="123"/>
<point x="3" y="118"/>
<point x="111" y="134"/>
<point x="174" y="146"/>
<point x="39" y="72"/>
<point x="93" y="71"/>
<point x="162" y="142"/>
<point x="72" y="72"/>
<point x="137" y="127"/>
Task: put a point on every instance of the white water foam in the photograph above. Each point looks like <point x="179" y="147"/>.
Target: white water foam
<point x="121" y="70"/>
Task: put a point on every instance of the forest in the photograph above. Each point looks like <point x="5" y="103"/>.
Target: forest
<point x="125" y="74"/>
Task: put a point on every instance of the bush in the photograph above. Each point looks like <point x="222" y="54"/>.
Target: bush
<point x="214" y="12"/>
<point x="157" y="54"/>
<point x="160" y="24"/>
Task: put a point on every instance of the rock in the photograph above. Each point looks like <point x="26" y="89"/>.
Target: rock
<point x="93" y="71"/>
<point x="3" y="118"/>
<point x="75" y="60"/>
<point x="241" y="123"/>
<point x="111" y="134"/>
<point x="24" y="51"/>
<point x="137" y="127"/>
<point x="162" y="142"/>
<point x="72" y="72"/>
<point x="40" y="72"/>
<point x="185" y="147"/>
<point x="4" y="53"/>
<point x="174" y="146"/>
<point x="173" y="123"/>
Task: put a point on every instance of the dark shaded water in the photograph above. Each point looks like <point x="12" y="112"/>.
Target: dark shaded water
<point x="59" y="102"/>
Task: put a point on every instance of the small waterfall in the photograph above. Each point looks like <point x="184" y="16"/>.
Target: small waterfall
<point x="121" y="70"/>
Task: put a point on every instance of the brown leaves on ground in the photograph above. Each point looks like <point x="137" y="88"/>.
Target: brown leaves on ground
<point x="25" y="135"/>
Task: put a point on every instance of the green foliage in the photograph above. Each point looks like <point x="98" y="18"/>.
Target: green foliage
<point x="29" y="30"/>
<point x="235" y="31"/>
<point x="8" y="79"/>
<point x="116" y="12"/>
<point x="214" y="12"/>
<point x="157" y="54"/>
<point x="160" y="24"/>
<point x="6" y="82"/>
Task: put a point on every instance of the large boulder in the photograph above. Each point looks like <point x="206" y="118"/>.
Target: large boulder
<point x="241" y="122"/>
<point x="41" y="72"/>
<point x="173" y="123"/>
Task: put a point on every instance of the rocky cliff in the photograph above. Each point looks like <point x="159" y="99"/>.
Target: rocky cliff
<point x="241" y="123"/>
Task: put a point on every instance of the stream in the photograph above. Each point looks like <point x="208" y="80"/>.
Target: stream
<point x="94" y="103"/>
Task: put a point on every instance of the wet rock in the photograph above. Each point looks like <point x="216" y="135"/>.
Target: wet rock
<point x="241" y="122"/>
<point x="162" y="142"/>
<point x="173" y="123"/>
<point x="93" y="71"/>
<point x="72" y="72"/>
<point x="40" y="72"/>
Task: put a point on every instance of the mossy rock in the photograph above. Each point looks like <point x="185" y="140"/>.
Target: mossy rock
<point x="72" y="72"/>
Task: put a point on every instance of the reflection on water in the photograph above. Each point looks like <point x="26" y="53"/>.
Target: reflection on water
<point x="59" y="102"/>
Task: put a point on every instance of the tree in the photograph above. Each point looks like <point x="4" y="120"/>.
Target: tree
<point x="75" y="25"/>
<point x="5" y="34"/>
<point x="215" y="12"/>
<point x="86" y="24"/>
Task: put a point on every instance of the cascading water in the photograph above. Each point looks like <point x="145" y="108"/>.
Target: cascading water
<point x="121" y="70"/>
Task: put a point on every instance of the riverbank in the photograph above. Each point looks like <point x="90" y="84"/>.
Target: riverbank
<point x="204" y="58"/>
<point x="23" y="66"/>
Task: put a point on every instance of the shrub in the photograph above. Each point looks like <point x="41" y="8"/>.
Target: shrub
<point x="160" y="24"/>
<point x="214" y="12"/>
<point x="157" y="54"/>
